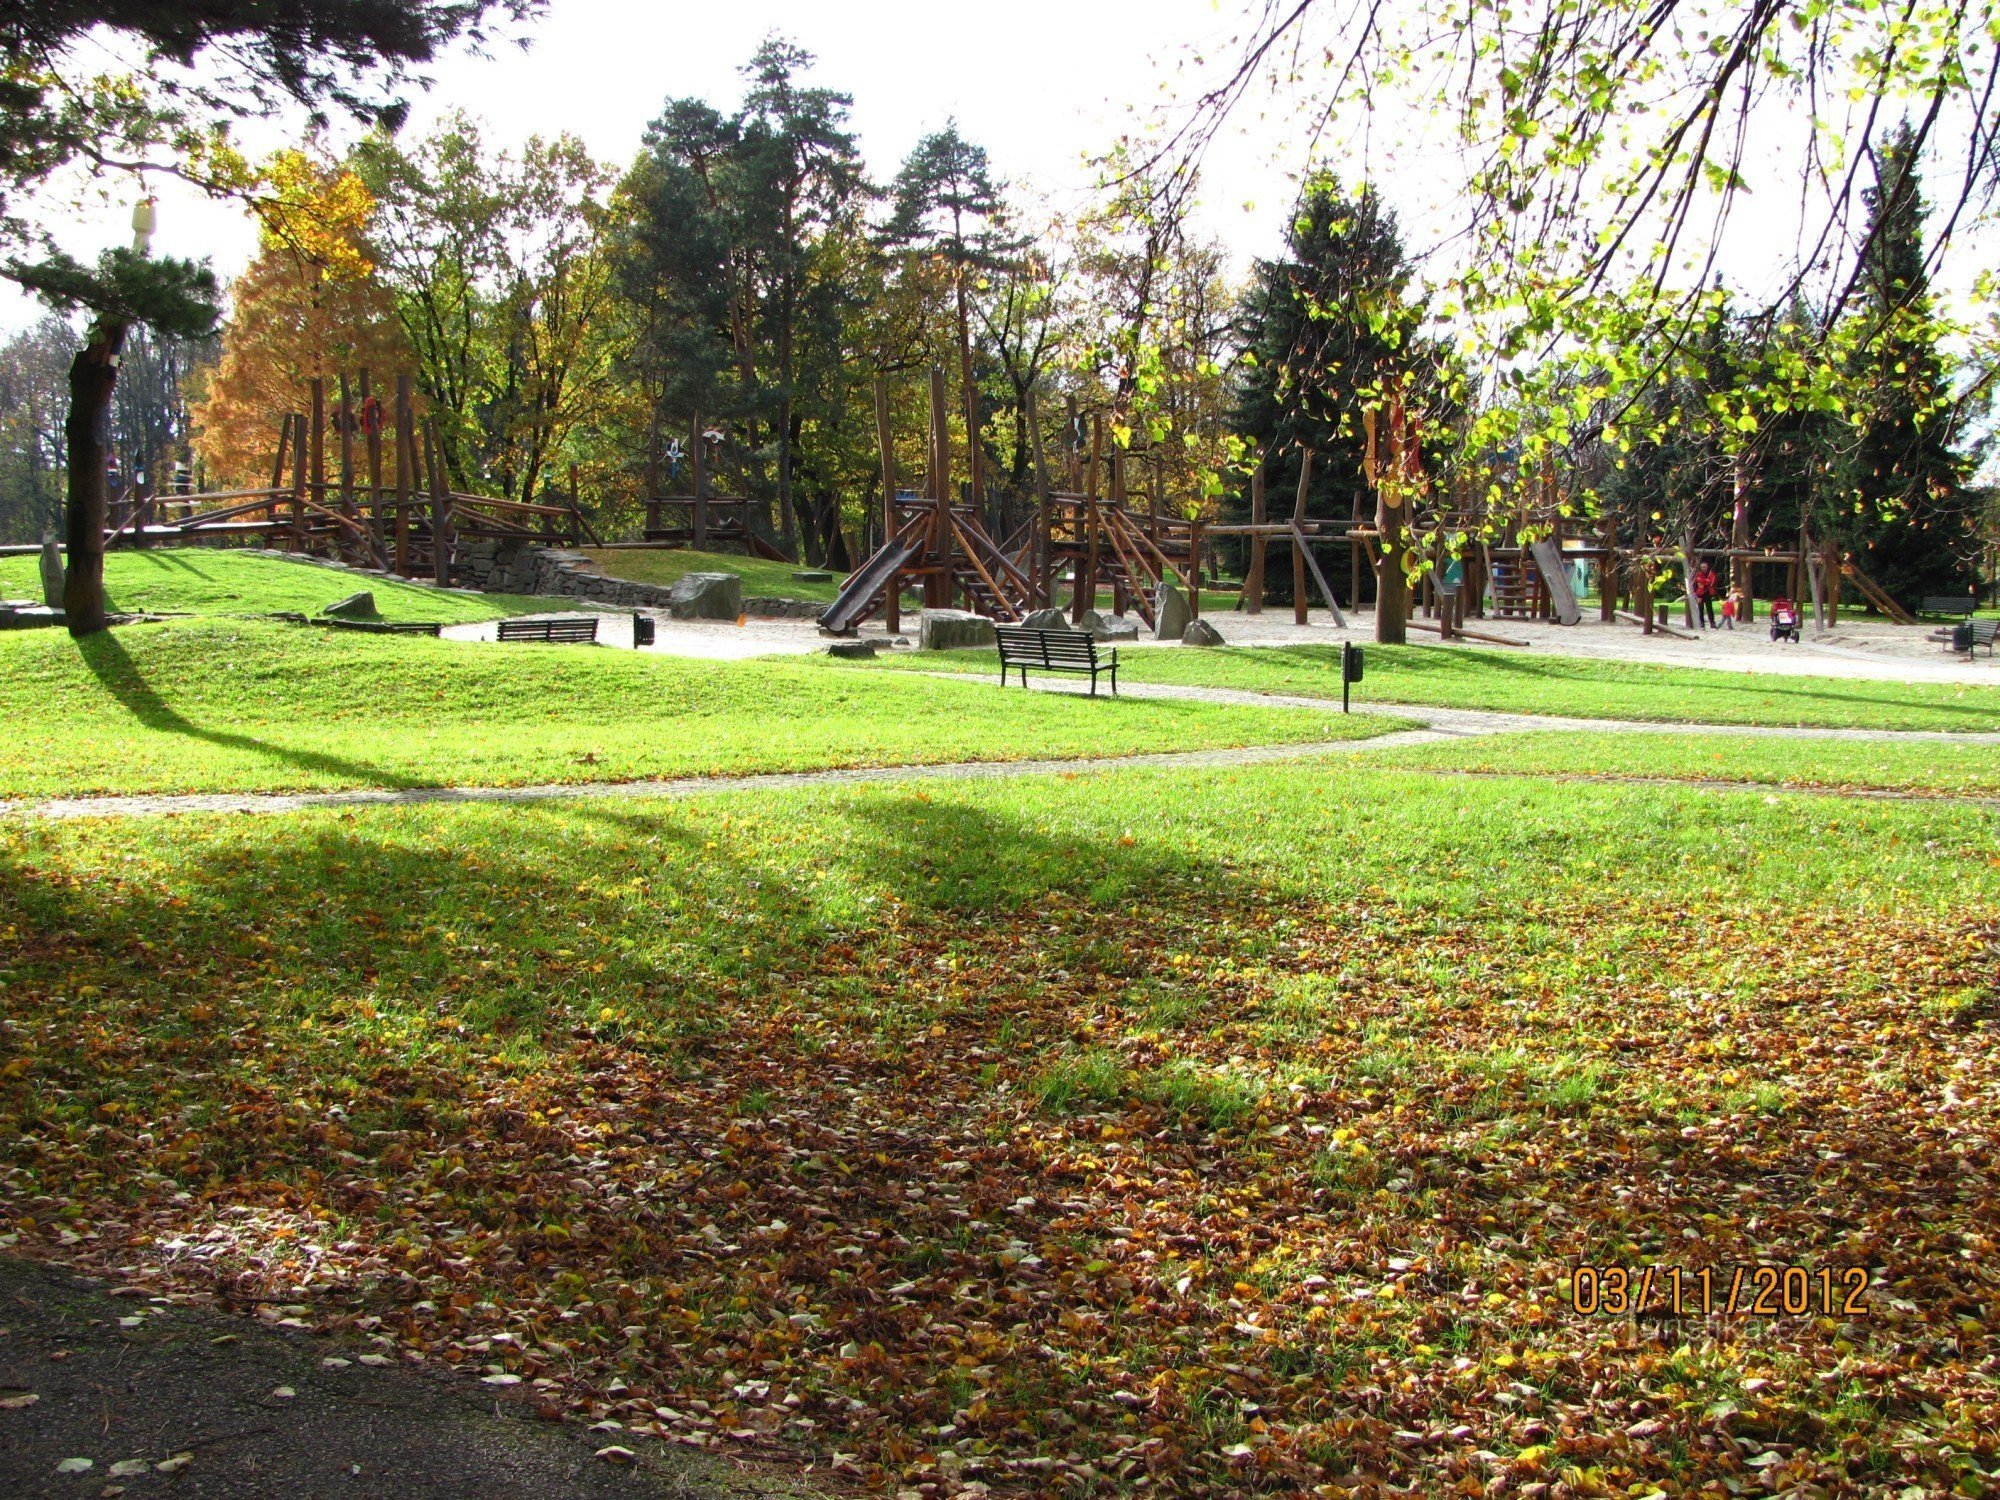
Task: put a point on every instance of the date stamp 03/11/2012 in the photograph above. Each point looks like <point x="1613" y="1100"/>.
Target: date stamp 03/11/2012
<point x="1756" y="1291"/>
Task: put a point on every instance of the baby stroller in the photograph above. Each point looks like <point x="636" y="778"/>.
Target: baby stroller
<point x="1784" y="620"/>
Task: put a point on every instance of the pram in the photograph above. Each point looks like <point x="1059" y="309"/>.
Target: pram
<point x="1784" y="620"/>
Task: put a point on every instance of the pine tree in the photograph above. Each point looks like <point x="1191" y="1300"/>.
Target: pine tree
<point x="1911" y="523"/>
<point x="1323" y="324"/>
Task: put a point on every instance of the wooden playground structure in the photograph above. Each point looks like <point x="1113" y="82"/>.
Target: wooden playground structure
<point x="699" y="519"/>
<point x="937" y="545"/>
<point x="386" y="505"/>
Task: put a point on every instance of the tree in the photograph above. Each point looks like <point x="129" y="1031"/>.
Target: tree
<point x="801" y="178"/>
<point x="34" y="384"/>
<point x="1607" y="149"/>
<point x="499" y="274"/>
<point x="949" y="215"/>
<point x="1912" y="521"/>
<point x="310" y="306"/>
<point x="1330" y="328"/>
<point x="60" y="113"/>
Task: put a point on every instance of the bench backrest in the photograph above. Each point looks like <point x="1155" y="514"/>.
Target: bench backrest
<point x="1984" y="632"/>
<point x="1949" y="604"/>
<point x="583" y="628"/>
<point x="1050" y="648"/>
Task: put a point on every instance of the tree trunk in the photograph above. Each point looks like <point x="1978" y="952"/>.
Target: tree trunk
<point x="92" y="376"/>
<point x="1392" y="584"/>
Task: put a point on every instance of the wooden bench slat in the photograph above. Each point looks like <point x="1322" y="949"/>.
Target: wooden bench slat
<point x="565" y="631"/>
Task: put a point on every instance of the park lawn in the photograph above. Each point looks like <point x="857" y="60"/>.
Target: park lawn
<point x="762" y="578"/>
<point x="210" y="705"/>
<point x="212" y="581"/>
<point x="1533" y="683"/>
<point x="1927" y="767"/>
<point x="1234" y="1131"/>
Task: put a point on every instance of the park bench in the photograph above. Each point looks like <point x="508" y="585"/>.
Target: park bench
<point x="1053" y="651"/>
<point x="1960" y="605"/>
<point x="1968" y="637"/>
<point x="568" y="628"/>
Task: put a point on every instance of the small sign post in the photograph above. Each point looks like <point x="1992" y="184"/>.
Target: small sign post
<point x="1350" y="670"/>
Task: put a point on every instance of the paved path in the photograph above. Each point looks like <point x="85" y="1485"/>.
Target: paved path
<point x="1439" y="725"/>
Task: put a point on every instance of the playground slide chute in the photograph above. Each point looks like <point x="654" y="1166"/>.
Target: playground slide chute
<point x="1555" y="574"/>
<point x="861" y="594"/>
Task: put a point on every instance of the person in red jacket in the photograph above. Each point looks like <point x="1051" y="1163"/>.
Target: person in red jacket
<point x="1705" y="588"/>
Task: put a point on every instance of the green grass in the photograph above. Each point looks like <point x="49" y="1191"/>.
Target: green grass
<point x="213" y="581"/>
<point x="257" y="706"/>
<point x="1928" y="766"/>
<point x="1532" y="683"/>
<point x="626" y="1081"/>
<point x="761" y="577"/>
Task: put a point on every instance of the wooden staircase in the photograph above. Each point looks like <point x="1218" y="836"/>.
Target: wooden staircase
<point x="1515" y="583"/>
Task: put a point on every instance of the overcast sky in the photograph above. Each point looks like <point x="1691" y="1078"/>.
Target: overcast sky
<point x="1040" y="83"/>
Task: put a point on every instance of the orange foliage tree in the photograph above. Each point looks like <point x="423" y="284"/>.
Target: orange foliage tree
<point x="309" y="305"/>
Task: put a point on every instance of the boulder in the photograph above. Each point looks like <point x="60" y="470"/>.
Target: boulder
<point x="1046" y="619"/>
<point x="706" y="596"/>
<point x="1201" y="633"/>
<point x="811" y="575"/>
<point x="52" y="573"/>
<point x="953" y="630"/>
<point x="854" y="650"/>
<point x="359" y="606"/>
<point x="1170" y="612"/>
<point x="1107" y="627"/>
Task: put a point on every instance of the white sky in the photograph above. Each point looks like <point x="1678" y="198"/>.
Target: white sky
<point x="1040" y="83"/>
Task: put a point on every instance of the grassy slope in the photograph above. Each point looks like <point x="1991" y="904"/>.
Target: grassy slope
<point x="1944" y="769"/>
<point x="1519" y="682"/>
<point x="212" y="581"/>
<point x="242" y="706"/>
<point x="1305" y="1097"/>
<point x="761" y="577"/>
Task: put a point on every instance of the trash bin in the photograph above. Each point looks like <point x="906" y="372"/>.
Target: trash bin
<point x="643" y="627"/>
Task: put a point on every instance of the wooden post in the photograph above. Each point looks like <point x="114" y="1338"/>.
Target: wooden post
<point x="1607" y="585"/>
<point x="1253" y="575"/>
<point x="1042" y="586"/>
<point x="1298" y="538"/>
<point x="317" y="490"/>
<point x="941" y="538"/>
<point x="440" y="505"/>
<point x="892" y="591"/>
<point x="406" y="474"/>
<point x="1194" y="567"/>
<point x="698" y="481"/>
<point x="284" y="451"/>
<point x="372" y="419"/>
<point x="297" y="540"/>
<point x="1119" y="602"/>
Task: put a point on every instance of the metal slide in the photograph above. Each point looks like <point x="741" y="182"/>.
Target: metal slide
<point x="861" y="595"/>
<point x="1555" y="574"/>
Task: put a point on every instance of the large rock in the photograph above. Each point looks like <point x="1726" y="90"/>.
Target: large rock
<point x="706" y="596"/>
<point x="52" y="573"/>
<point x="1170" y="612"/>
<point x="1107" y="627"/>
<point x="359" y="606"/>
<point x="1046" y="619"/>
<point x="953" y="630"/>
<point x="854" y="650"/>
<point x="1201" y="633"/>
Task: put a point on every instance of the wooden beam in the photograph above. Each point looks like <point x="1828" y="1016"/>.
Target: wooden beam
<point x="1299" y="552"/>
<point x="892" y="591"/>
<point x="1253" y="574"/>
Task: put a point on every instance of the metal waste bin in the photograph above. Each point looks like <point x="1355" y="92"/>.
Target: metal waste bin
<point x="643" y="627"/>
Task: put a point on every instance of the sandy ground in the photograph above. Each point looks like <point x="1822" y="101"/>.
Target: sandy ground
<point x="1871" y="649"/>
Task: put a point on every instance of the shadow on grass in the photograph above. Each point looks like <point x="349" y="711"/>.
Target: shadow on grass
<point x="114" y="668"/>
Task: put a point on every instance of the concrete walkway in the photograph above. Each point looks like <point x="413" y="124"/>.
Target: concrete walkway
<point x="1438" y="725"/>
